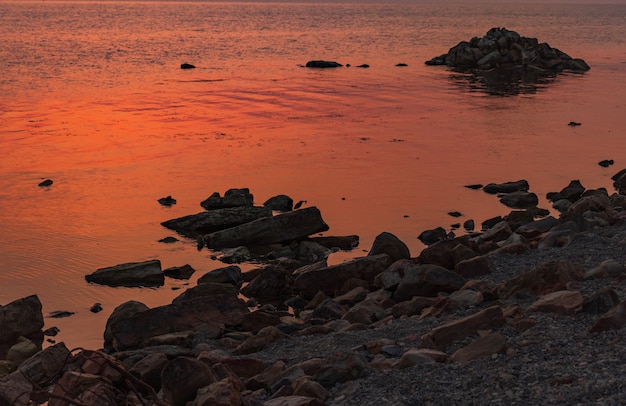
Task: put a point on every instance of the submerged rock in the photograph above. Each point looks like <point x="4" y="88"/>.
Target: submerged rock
<point x="323" y="64"/>
<point x="131" y="274"/>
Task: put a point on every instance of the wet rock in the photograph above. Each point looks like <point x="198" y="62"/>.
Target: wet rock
<point x="482" y="347"/>
<point x="548" y="277"/>
<point x="22" y="317"/>
<point x="232" y="198"/>
<point x="195" y="225"/>
<point x="167" y="201"/>
<point x="387" y="243"/>
<point x="571" y="192"/>
<point x="179" y="272"/>
<point x="96" y="308"/>
<point x="538" y="227"/>
<point x="507" y="187"/>
<point x="323" y="64"/>
<point x="468" y="225"/>
<point x="131" y="274"/>
<point x="235" y="255"/>
<point x="229" y="274"/>
<point x="345" y="243"/>
<point x="187" y="66"/>
<point x="574" y="124"/>
<point x="429" y="237"/>
<point x="519" y="200"/>
<point x="168" y="240"/>
<point x="279" y="203"/>
<point x="289" y="226"/>
<point x="46" y="183"/>
<point x="440" y="337"/>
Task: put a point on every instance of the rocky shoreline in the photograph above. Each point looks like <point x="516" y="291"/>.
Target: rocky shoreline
<point x="529" y="310"/>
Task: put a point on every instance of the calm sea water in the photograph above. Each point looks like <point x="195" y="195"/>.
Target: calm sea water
<point x="92" y="96"/>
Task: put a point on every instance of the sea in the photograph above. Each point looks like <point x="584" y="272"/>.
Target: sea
<point x="92" y="96"/>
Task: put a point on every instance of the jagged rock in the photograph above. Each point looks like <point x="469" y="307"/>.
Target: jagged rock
<point x="392" y="276"/>
<point x="84" y="388"/>
<point x="441" y="252"/>
<point x="442" y="336"/>
<point x="387" y="243"/>
<point x="221" y="393"/>
<point x="195" y="225"/>
<point x="43" y="366"/>
<point x="232" y="198"/>
<point x="571" y="192"/>
<point x="279" y="203"/>
<point x="548" y="277"/>
<point x="427" y="280"/>
<point x="289" y="226"/>
<point x="22" y="317"/>
<point x="131" y="274"/>
<point x="502" y="49"/>
<point x="167" y="201"/>
<point x="331" y="279"/>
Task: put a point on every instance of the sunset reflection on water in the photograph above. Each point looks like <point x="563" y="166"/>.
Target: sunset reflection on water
<point x="380" y="149"/>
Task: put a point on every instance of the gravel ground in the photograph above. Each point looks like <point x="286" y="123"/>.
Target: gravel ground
<point x="555" y="362"/>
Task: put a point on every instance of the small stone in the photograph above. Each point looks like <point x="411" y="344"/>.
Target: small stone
<point x="167" y="201"/>
<point x="606" y="163"/>
<point x="46" y="183"/>
<point x="96" y="308"/>
<point x="187" y="66"/>
<point x="168" y="240"/>
<point x="574" y="124"/>
<point x="59" y="314"/>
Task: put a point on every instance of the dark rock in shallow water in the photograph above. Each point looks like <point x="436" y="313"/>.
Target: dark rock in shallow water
<point x="46" y="183"/>
<point x="232" y="198"/>
<point x="429" y="237"/>
<point x="168" y="240"/>
<point x="22" y="317"/>
<point x="195" y="225"/>
<point x="519" y="200"/>
<point x="506" y="187"/>
<point x="571" y="192"/>
<point x="179" y="272"/>
<point x="502" y="49"/>
<point x="363" y="66"/>
<point x="147" y="273"/>
<point x="605" y="163"/>
<point x="322" y="64"/>
<point x="401" y="64"/>
<point x="279" y="203"/>
<point x="574" y="123"/>
<point x="187" y="66"/>
<point x="167" y="201"/>
<point x="387" y="243"/>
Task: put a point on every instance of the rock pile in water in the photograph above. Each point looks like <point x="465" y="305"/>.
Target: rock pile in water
<point x="503" y="49"/>
<point x="210" y="347"/>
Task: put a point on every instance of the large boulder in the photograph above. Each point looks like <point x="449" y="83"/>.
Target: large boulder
<point x="207" y="314"/>
<point x="22" y="317"/>
<point x="427" y="280"/>
<point x="387" y="243"/>
<point x="285" y="227"/>
<point x="147" y="273"/>
<point x="195" y="225"/>
<point x="331" y="279"/>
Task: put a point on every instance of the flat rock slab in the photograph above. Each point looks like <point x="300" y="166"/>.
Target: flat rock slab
<point x="195" y="225"/>
<point x="285" y="227"/>
<point x="131" y="274"/>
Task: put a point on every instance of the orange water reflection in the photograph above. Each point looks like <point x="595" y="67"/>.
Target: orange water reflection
<point x="378" y="149"/>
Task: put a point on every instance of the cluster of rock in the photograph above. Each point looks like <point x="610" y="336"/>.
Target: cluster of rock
<point x="199" y="350"/>
<point x="502" y="49"/>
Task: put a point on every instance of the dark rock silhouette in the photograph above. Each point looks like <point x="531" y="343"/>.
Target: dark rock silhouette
<point x="322" y="64"/>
